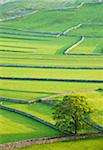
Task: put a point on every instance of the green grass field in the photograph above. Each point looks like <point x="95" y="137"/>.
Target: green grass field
<point x="58" y="20"/>
<point x="44" y="111"/>
<point x="51" y="73"/>
<point x="88" y="29"/>
<point x="29" y="90"/>
<point x="45" y="46"/>
<point x="43" y="60"/>
<point x="87" y="46"/>
<point x="41" y="39"/>
<point x="16" y="127"/>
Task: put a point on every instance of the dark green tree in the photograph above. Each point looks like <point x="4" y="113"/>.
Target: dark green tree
<point x="70" y="111"/>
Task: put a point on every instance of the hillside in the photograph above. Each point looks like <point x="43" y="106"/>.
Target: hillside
<point x="49" y="49"/>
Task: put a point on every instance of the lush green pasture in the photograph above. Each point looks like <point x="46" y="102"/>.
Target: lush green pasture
<point x="58" y="20"/>
<point x="89" y="144"/>
<point x="43" y="111"/>
<point x="51" y="73"/>
<point x="18" y="47"/>
<point x="29" y="90"/>
<point x="51" y="21"/>
<point x="41" y="46"/>
<point x="14" y="127"/>
<point x="40" y="110"/>
<point x="89" y="29"/>
<point x="47" y="60"/>
<point x="87" y="46"/>
<point x="17" y="7"/>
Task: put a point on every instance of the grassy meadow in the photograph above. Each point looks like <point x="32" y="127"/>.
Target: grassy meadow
<point x="16" y="127"/>
<point x="41" y="39"/>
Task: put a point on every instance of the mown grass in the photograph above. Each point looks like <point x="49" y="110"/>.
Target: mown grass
<point x="40" y="110"/>
<point x="47" y="60"/>
<point x="48" y="51"/>
<point x="47" y="46"/>
<point x="14" y="127"/>
<point x="29" y="90"/>
<point x="51" y="73"/>
<point x="90" y="144"/>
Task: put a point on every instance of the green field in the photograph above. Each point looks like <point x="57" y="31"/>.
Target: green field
<point x="88" y="29"/>
<point x="40" y="39"/>
<point x="42" y="60"/>
<point x="87" y="46"/>
<point x="44" y="111"/>
<point x="58" y="20"/>
<point x="45" y="46"/>
<point x="51" y="73"/>
<point x="29" y="90"/>
<point x="16" y="127"/>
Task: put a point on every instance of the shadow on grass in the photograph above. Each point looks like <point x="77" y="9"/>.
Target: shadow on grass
<point x="39" y="130"/>
<point x="37" y="92"/>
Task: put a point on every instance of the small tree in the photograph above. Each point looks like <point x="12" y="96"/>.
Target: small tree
<point x="69" y="113"/>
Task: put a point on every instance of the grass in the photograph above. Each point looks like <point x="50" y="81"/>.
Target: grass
<point x="47" y="60"/>
<point x="90" y="144"/>
<point x="29" y="90"/>
<point x="51" y="73"/>
<point x="90" y="30"/>
<point x="40" y="110"/>
<point x="14" y="127"/>
<point x="88" y="46"/>
<point x="14" y="7"/>
<point x="44" y="111"/>
<point x="46" y="46"/>
<point x="58" y="20"/>
<point x="48" y="51"/>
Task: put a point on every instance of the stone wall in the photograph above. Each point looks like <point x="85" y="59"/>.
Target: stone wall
<point x="14" y="100"/>
<point x="30" y="142"/>
<point x="51" y="79"/>
<point x="51" y="67"/>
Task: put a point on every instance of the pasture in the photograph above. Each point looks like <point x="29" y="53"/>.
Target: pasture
<point x="16" y="127"/>
<point x="40" y="43"/>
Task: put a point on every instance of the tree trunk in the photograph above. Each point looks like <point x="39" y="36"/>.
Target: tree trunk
<point x="75" y="132"/>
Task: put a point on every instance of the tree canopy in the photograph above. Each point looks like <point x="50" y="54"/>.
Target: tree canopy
<point x="70" y="111"/>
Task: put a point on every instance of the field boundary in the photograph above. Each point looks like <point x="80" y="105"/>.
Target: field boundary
<point x="14" y="100"/>
<point x="68" y="92"/>
<point x="34" y="118"/>
<point x="77" y="7"/>
<point x="18" y="16"/>
<point x="30" y="142"/>
<point x="51" y="35"/>
<point x="88" y="121"/>
<point x="74" y="45"/>
<point x="51" y="79"/>
<point x="50" y="67"/>
<point x="84" y="54"/>
<point x="45" y="99"/>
